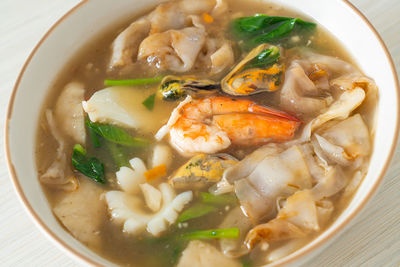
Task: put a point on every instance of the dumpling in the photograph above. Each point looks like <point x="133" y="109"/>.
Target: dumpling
<point x="174" y="50"/>
<point x="69" y="114"/>
<point x="126" y="45"/>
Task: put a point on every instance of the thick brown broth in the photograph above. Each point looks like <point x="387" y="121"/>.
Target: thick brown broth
<point x="89" y="66"/>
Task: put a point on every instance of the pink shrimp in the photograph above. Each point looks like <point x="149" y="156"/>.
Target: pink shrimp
<point x="212" y="124"/>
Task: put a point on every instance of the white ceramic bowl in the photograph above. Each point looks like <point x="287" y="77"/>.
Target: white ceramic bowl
<point x="90" y="17"/>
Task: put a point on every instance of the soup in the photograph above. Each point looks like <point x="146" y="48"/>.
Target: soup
<point x="212" y="132"/>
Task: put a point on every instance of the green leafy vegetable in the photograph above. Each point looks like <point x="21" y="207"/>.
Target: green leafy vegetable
<point x="195" y="211"/>
<point x="131" y="82"/>
<point x="91" y="167"/>
<point x="116" y="135"/>
<point x="217" y="200"/>
<point x="149" y="102"/>
<point x="213" y="234"/>
<point x="93" y="136"/>
<point x="261" y="28"/>
<point x="265" y="58"/>
<point x="118" y="154"/>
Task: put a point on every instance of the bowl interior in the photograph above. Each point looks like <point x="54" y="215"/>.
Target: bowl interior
<point x="90" y="18"/>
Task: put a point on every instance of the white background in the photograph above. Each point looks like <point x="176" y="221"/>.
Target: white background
<point x="373" y="240"/>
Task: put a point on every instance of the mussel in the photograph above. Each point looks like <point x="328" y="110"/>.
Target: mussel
<point x="174" y="88"/>
<point x="257" y="72"/>
<point x="201" y="170"/>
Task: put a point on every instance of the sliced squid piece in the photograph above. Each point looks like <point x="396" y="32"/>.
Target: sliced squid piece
<point x="296" y="219"/>
<point x="235" y="248"/>
<point x="82" y="212"/>
<point x="123" y="106"/>
<point x="129" y="179"/>
<point x="127" y="210"/>
<point x="125" y="46"/>
<point x="201" y="171"/>
<point x="152" y="196"/>
<point x="69" y="114"/>
<point x="161" y="155"/>
<point x="200" y="254"/>
<point x="174" y="50"/>
<point x="276" y="175"/>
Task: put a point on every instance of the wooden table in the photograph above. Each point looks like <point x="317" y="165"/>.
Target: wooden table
<point x="373" y="240"/>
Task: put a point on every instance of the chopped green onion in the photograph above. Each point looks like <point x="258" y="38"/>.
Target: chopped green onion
<point x="91" y="167"/>
<point x="217" y="199"/>
<point x="117" y="135"/>
<point x="195" y="211"/>
<point x="131" y="82"/>
<point x="118" y="154"/>
<point x="149" y="102"/>
<point x="213" y="234"/>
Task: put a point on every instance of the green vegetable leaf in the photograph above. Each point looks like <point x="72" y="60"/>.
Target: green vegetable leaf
<point x="132" y="82"/>
<point x="213" y="234"/>
<point x="91" y="167"/>
<point x="195" y="211"/>
<point x="93" y="136"/>
<point x="149" y="102"/>
<point x="264" y="58"/>
<point x="118" y="154"/>
<point x="117" y="135"/>
<point x="226" y="199"/>
<point x="261" y="28"/>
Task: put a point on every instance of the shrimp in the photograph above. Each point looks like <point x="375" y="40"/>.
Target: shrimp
<point x="211" y="124"/>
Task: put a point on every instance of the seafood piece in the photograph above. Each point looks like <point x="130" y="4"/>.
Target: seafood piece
<point x="254" y="74"/>
<point x="201" y="170"/>
<point x="174" y="88"/>
<point x="127" y="210"/>
<point x="211" y="124"/>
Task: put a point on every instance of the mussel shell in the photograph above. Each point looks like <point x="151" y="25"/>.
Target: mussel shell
<point x="174" y="88"/>
<point x="242" y="82"/>
<point x="201" y="170"/>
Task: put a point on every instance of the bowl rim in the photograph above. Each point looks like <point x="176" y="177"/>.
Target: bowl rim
<point x="287" y="260"/>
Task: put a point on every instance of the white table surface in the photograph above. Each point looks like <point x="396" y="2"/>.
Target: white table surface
<point x="373" y="240"/>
